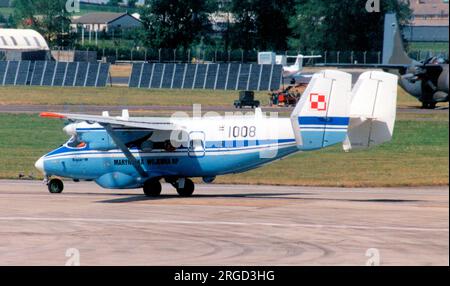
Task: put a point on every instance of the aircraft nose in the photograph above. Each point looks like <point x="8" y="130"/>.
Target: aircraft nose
<point x="40" y="164"/>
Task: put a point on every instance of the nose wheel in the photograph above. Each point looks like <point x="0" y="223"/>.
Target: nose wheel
<point x="55" y="186"/>
<point x="152" y="188"/>
<point x="186" y="189"/>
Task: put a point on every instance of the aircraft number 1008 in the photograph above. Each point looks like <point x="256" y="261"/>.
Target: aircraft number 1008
<point x="242" y="131"/>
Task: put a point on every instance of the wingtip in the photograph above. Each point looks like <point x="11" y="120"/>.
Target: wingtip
<point x="52" y="115"/>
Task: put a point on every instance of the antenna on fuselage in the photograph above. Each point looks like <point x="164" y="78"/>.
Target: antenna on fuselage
<point x="125" y="114"/>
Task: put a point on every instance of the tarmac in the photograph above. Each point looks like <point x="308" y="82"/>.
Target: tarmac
<point x="223" y="225"/>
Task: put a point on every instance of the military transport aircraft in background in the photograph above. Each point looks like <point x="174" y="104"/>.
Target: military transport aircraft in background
<point x="427" y="81"/>
<point x="131" y="152"/>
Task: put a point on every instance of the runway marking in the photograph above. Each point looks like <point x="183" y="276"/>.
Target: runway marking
<point x="228" y="223"/>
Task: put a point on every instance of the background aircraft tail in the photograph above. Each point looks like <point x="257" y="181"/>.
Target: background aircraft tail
<point x="321" y="117"/>
<point x="372" y="110"/>
<point x="393" y="48"/>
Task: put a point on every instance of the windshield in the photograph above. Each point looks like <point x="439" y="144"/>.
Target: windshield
<point x="75" y="142"/>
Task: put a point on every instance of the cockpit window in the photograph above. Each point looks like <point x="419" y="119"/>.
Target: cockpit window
<point x="75" y="142"/>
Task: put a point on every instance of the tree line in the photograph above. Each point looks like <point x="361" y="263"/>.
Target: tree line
<point x="245" y="24"/>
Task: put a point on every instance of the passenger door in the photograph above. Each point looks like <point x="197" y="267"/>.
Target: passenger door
<point x="196" y="144"/>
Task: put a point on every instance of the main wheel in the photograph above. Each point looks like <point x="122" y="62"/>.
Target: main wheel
<point x="55" y="186"/>
<point x="152" y="188"/>
<point x="428" y="105"/>
<point x="187" y="190"/>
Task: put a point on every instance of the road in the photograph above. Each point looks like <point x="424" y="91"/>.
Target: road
<point x="224" y="225"/>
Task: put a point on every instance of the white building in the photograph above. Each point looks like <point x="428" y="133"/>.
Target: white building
<point x="22" y="40"/>
<point x="106" y="22"/>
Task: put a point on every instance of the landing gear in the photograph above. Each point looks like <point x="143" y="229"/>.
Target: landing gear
<point x="429" y="105"/>
<point x="55" y="186"/>
<point x="186" y="189"/>
<point x="152" y="188"/>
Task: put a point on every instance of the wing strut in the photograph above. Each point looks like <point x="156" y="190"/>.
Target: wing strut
<point x="125" y="151"/>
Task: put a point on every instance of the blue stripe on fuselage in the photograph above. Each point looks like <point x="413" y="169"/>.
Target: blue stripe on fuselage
<point x="310" y="120"/>
<point x="211" y="146"/>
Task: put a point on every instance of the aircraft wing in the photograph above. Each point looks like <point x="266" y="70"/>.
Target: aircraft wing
<point x="163" y="124"/>
<point x="377" y="66"/>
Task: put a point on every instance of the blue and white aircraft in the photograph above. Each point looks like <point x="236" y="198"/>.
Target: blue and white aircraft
<point x="125" y="152"/>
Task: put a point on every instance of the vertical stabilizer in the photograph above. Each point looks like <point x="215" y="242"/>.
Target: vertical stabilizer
<point x="373" y="110"/>
<point x="393" y="48"/>
<point x="321" y="117"/>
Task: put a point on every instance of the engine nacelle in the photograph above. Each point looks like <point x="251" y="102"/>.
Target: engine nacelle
<point x="117" y="180"/>
<point x="99" y="140"/>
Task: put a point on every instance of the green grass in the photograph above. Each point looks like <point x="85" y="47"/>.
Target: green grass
<point x="117" y="96"/>
<point x="32" y="95"/>
<point x="23" y="138"/>
<point x="418" y="155"/>
<point x="425" y="47"/>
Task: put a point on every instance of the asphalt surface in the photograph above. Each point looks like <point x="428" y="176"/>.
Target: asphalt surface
<point x="223" y="225"/>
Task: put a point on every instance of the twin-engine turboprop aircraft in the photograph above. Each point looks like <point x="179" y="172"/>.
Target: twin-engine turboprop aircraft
<point x="125" y="152"/>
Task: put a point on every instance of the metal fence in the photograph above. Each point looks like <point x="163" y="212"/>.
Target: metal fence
<point x="242" y="56"/>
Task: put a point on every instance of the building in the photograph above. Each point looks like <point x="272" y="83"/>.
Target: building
<point x="21" y="44"/>
<point x="106" y="22"/>
<point x="430" y="12"/>
<point x="22" y="40"/>
<point x="430" y="22"/>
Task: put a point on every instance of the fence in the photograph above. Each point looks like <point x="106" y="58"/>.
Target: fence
<point x="242" y="56"/>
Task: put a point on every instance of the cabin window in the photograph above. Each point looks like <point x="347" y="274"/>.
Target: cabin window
<point x="5" y="43"/>
<point x="27" y="41"/>
<point x="14" y="40"/>
<point x="37" y="42"/>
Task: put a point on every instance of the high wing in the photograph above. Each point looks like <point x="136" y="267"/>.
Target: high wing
<point x="377" y="66"/>
<point x="163" y="124"/>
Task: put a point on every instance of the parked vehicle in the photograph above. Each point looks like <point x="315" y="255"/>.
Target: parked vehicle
<point x="246" y="98"/>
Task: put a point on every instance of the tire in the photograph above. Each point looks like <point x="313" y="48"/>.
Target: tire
<point x="428" y="105"/>
<point x="152" y="188"/>
<point x="55" y="186"/>
<point x="188" y="189"/>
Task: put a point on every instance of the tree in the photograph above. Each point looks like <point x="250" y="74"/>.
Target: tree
<point x="114" y="3"/>
<point x="261" y="24"/>
<point x="342" y="24"/>
<point x="243" y="29"/>
<point x="131" y="3"/>
<point x="49" y="17"/>
<point x="176" y="23"/>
